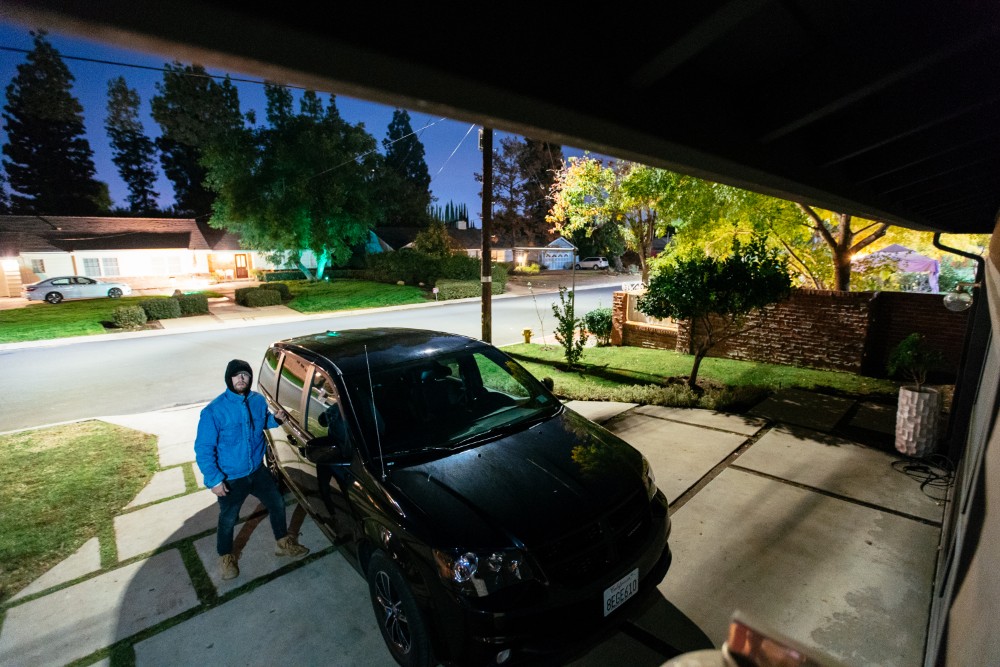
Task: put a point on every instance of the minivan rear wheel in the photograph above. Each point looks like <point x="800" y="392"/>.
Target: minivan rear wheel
<point x="396" y="611"/>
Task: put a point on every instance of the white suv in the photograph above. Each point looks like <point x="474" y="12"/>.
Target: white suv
<point x="593" y="263"/>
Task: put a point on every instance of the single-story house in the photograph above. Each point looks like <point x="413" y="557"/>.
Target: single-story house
<point x="556" y="255"/>
<point x="145" y="252"/>
<point x="468" y="239"/>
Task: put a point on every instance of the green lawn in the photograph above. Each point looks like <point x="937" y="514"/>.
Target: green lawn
<point x="61" y="486"/>
<point x="658" y="377"/>
<point x="322" y="297"/>
<point x="44" y="321"/>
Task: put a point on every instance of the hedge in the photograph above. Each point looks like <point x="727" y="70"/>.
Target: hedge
<point x="193" y="304"/>
<point x="161" y="309"/>
<point x="255" y="298"/>
<point x="129" y="317"/>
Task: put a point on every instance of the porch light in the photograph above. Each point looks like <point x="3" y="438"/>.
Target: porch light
<point x="961" y="298"/>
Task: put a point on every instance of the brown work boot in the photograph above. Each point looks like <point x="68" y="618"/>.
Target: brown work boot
<point x="288" y="546"/>
<point x="228" y="566"/>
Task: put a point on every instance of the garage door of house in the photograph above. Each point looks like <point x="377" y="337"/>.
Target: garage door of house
<point x="241" y="267"/>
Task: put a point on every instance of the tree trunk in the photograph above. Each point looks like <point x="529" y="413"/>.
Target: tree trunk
<point x="693" y="378"/>
<point x="842" y="269"/>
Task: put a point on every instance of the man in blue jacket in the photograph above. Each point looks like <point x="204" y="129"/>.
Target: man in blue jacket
<point x="229" y="450"/>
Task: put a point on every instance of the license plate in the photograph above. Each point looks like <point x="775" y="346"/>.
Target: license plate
<point x="620" y="591"/>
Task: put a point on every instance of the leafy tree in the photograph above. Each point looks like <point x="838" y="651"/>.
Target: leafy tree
<point x="297" y="184"/>
<point x="570" y="331"/>
<point x="133" y="152"/>
<point x="193" y="111"/>
<point x="403" y="180"/>
<point x="509" y="221"/>
<point x="625" y="196"/>
<point x="717" y="295"/>
<point x="48" y="159"/>
<point x="913" y="358"/>
<point x="434" y="241"/>
<point x="819" y="244"/>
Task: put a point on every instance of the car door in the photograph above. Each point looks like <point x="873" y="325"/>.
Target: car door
<point x="324" y="417"/>
<point x="87" y="288"/>
<point x="65" y="286"/>
<point x="292" y="378"/>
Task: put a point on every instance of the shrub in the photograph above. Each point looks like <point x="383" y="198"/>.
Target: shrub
<point x="262" y="297"/>
<point x="129" y="317"/>
<point x="280" y="288"/>
<point x="527" y="269"/>
<point x="913" y="358"/>
<point x="193" y="304"/>
<point x="280" y="274"/>
<point x="240" y="294"/>
<point x="161" y="309"/>
<point x="598" y="322"/>
<point x="569" y="331"/>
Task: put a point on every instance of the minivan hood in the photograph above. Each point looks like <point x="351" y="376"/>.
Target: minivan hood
<point x="524" y="488"/>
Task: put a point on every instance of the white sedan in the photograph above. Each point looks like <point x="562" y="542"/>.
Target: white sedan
<point x="58" y="289"/>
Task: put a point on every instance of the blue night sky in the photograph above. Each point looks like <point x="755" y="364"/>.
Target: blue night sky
<point x="450" y="147"/>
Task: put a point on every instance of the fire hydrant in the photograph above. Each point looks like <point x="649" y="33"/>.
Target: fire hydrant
<point x="527" y="335"/>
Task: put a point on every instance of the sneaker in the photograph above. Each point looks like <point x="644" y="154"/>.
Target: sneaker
<point x="288" y="546"/>
<point x="228" y="566"/>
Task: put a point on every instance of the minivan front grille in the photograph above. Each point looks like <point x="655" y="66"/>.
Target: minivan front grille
<point x="598" y="547"/>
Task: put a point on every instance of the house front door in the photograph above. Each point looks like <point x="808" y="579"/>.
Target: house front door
<point x="241" y="267"/>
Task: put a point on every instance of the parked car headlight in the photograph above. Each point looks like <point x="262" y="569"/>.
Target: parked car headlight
<point x="481" y="573"/>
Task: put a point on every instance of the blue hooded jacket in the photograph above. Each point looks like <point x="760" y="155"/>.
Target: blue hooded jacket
<point x="230" y="440"/>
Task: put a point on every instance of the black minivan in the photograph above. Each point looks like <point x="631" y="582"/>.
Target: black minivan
<point x="493" y="524"/>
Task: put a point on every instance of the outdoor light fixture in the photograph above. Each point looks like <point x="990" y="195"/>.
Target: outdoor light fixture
<point x="961" y="298"/>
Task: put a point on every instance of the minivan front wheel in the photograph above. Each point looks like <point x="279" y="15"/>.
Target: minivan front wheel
<point x="399" y="619"/>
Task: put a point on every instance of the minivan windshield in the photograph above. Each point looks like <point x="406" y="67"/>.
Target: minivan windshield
<point x="445" y="401"/>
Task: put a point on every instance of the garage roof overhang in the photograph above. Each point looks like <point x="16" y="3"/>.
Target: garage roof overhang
<point x="886" y="110"/>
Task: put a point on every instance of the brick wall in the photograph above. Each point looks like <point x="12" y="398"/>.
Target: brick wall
<point x="844" y="331"/>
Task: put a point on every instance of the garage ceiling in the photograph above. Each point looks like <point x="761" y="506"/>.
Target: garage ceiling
<point x="887" y="110"/>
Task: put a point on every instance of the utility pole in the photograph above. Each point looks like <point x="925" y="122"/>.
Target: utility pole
<point x="486" y="275"/>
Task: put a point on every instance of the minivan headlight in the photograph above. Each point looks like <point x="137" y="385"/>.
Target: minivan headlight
<point x="481" y="573"/>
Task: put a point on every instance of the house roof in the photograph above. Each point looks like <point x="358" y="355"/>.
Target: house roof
<point x="36" y="233"/>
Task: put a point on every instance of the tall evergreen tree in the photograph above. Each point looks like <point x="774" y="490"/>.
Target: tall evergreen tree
<point x="47" y="158"/>
<point x="404" y="181"/>
<point x="302" y="183"/>
<point x="132" y="151"/>
<point x="540" y="162"/>
<point x="193" y="111"/>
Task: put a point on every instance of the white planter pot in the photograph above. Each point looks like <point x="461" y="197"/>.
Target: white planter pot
<point x="917" y="418"/>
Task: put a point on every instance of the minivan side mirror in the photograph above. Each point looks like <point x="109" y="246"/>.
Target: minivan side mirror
<point x="325" y="450"/>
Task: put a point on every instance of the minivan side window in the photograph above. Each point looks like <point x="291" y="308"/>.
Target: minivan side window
<point x="324" y="415"/>
<point x="293" y="379"/>
<point x="267" y="377"/>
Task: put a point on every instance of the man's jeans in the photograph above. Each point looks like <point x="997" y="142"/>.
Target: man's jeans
<point x="262" y="486"/>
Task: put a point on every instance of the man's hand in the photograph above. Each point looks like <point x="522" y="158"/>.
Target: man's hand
<point x="280" y="415"/>
<point x="219" y="489"/>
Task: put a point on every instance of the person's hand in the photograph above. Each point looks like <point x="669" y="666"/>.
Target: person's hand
<point x="219" y="489"/>
<point x="280" y="415"/>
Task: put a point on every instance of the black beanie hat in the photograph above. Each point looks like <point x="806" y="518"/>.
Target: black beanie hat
<point x="235" y="366"/>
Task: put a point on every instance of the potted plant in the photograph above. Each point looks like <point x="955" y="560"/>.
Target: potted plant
<point x="919" y="407"/>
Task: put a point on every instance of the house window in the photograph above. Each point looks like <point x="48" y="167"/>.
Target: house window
<point x="110" y="266"/>
<point x="38" y="266"/>
<point x="91" y="266"/>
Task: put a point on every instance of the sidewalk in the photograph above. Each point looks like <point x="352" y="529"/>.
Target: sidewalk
<point x="774" y="514"/>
